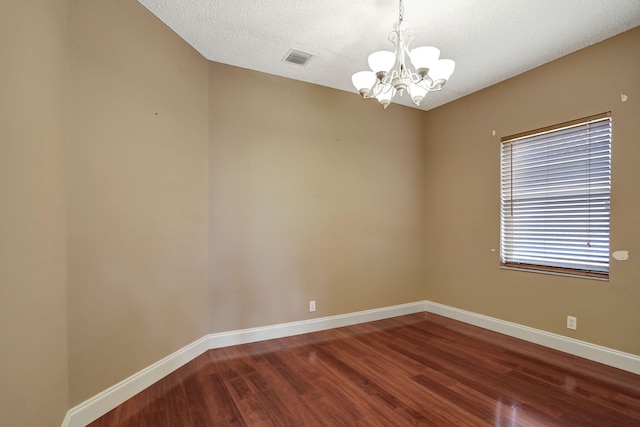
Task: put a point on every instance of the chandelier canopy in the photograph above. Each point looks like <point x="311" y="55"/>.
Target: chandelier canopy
<point x="392" y="74"/>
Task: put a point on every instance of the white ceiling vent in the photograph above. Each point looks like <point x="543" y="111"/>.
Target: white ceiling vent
<point x="298" y="57"/>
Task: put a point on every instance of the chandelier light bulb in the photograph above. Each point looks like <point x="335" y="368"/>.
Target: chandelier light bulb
<point x="417" y="71"/>
<point x="417" y="93"/>
<point x="442" y="70"/>
<point x="424" y="57"/>
<point x="382" y="61"/>
<point x="384" y="98"/>
<point x="364" y="81"/>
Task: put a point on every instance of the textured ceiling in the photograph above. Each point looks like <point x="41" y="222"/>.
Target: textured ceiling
<point x="490" y="40"/>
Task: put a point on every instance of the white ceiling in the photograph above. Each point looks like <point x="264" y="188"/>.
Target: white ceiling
<point x="490" y="40"/>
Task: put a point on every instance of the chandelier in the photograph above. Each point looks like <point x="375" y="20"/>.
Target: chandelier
<point x="392" y="74"/>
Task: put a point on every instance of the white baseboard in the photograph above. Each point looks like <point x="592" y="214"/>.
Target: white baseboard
<point x="98" y="405"/>
<point x="617" y="359"/>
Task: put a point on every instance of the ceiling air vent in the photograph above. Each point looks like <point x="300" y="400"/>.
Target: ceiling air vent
<point x="298" y="57"/>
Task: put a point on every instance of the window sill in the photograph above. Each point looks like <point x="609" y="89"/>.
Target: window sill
<point x="555" y="273"/>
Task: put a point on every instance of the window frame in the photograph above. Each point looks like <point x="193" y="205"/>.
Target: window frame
<point x="507" y="257"/>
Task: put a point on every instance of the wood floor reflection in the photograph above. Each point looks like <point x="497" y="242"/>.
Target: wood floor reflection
<point x="415" y="370"/>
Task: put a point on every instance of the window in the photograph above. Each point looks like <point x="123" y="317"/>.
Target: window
<point x="555" y="186"/>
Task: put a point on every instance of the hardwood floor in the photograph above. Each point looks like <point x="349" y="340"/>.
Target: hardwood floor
<point x="416" y="370"/>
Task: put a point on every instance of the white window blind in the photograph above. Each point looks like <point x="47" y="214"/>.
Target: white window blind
<point x="555" y="194"/>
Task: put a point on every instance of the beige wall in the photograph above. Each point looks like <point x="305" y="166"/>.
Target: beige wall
<point x="177" y="198"/>
<point x="33" y="295"/>
<point x="137" y="193"/>
<point x="282" y="230"/>
<point x="314" y="194"/>
<point x="463" y="196"/>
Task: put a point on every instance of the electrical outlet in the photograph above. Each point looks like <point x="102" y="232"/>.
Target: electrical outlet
<point x="572" y="323"/>
<point x="312" y="306"/>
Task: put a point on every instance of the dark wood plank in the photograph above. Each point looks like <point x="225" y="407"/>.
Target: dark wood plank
<point x="416" y="370"/>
